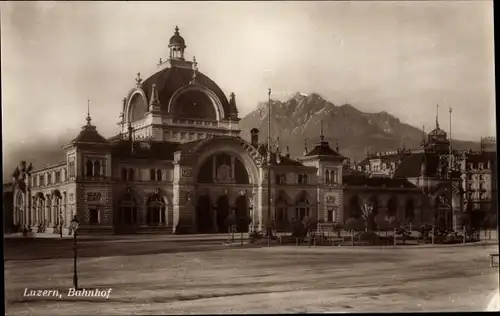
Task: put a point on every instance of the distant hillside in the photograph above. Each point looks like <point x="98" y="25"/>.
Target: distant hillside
<point x="357" y="132"/>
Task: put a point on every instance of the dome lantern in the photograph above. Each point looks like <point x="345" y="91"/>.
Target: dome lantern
<point x="177" y="45"/>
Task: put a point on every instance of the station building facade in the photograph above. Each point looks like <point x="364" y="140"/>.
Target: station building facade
<point x="180" y="165"/>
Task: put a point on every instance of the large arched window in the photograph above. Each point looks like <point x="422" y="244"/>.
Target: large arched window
<point x="152" y="174"/>
<point x="194" y="104"/>
<point x="18" y="214"/>
<point x="40" y="209"/>
<point x="302" y="207"/>
<point x="131" y="174"/>
<point x="48" y="205"/>
<point x="392" y="207"/>
<point x="158" y="175"/>
<point x="281" y="207"/>
<point x="127" y="211"/>
<point x="137" y="107"/>
<point x="156" y="210"/>
<point x="57" y="211"/>
<point x="409" y="210"/>
<point x="354" y="207"/>
<point x="124" y="174"/>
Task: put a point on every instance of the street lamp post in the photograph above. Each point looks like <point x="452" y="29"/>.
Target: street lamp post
<point x="74" y="227"/>
<point x="60" y="222"/>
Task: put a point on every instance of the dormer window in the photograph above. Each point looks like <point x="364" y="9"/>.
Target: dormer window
<point x="49" y="178"/>
<point x="58" y="176"/>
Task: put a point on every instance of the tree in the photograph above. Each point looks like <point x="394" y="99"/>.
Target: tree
<point x="337" y="227"/>
<point x="471" y="221"/>
<point x="367" y="214"/>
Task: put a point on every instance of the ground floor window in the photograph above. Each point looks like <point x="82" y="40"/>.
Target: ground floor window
<point x="301" y="213"/>
<point x="93" y="216"/>
<point x="155" y="215"/>
<point x="127" y="215"/>
<point x="331" y="216"/>
<point x="281" y="214"/>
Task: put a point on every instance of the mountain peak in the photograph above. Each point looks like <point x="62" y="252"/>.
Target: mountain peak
<point x="298" y="118"/>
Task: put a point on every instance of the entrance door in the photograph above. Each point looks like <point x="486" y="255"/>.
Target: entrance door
<point x="203" y="217"/>
<point x="242" y="213"/>
<point x="222" y="213"/>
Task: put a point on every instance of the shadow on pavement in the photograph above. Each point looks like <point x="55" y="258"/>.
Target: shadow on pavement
<point x="37" y="249"/>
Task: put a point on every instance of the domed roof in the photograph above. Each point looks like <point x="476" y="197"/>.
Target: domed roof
<point x="176" y="39"/>
<point x="169" y="80"/>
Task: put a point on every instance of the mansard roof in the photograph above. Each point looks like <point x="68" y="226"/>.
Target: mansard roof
<point x="145" y="150"/>
<point x="323" y="149"/>
<point x="382" y="182"/>
<point x="89" y="134"/>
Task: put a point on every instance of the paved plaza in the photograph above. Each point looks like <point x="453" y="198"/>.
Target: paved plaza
<point x="168" y="276"/>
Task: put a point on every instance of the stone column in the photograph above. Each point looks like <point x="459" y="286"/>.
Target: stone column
<point x="214" y="168"/>
<point x="232" y="167"/>
<point x="48" y="205"/>
<point x="142" y="210"/>
<point x="65" y="209"/>
<point x="216" y="228"/>
<point x="183" y="195"/>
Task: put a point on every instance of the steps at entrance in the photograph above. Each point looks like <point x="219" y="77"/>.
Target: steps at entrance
<point x="154" y="230"/>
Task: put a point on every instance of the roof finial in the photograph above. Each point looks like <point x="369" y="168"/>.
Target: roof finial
<point x="322" y="136"/>
<point x="195" y="69"/>
<point x="88" y="119"/>
<point x="138" y="79"/>
<point x="176" y="30"/>
<point x="437" y="115"/>
<point x="288" y="151"/>
<point x="337" y="146"/>
<point x="305" y="146"/>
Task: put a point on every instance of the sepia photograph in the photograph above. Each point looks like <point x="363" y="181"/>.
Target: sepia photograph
<point x="248" y="157"/>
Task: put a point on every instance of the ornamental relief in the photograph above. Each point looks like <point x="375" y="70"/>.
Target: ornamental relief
<point x="94" y="196"/>
<point x="333" y="199"/>
<point x="186" y="172"/>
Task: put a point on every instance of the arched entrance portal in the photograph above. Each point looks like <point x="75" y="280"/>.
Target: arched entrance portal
<point x="242" y="213"/>
<point x="222" y="210"/>
<point x="125" y="221"/>
<point x="225" y="171"/>
<point x="204" y="221"/>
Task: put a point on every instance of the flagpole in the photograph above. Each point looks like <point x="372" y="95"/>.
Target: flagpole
<point x="269" y="165"/>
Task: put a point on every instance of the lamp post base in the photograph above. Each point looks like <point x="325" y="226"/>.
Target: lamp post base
<point x="75" y="282"/>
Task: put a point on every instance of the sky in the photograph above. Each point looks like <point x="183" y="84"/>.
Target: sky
<point x="399" y="57"/>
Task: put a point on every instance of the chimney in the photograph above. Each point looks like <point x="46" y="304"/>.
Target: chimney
<point x="254" y="137"/>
